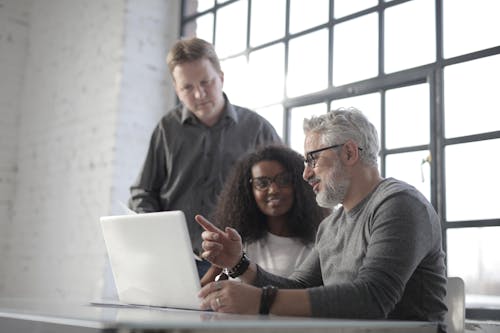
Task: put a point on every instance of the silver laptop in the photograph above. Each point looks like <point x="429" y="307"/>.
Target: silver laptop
<point x="152" y="259"/>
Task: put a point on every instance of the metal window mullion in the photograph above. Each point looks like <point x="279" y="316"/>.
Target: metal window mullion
<point x="286" y="110"/>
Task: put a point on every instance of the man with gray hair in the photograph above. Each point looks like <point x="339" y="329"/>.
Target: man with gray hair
<point x="378" y="255"/>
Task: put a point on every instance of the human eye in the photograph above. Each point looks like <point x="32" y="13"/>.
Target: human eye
<point x="284" y="179"/>
<point x="187" y="88"/>
<point x="314" y="157"/>
<point x="310" y="159"/>
<point x="261" y="183"/>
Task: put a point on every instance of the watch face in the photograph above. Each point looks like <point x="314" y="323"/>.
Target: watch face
<point x="222" y="275"/>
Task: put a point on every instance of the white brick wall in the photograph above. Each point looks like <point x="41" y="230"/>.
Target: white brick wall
<point x="146" y="89"/>
<point x="146" y="93"/>
<point x="94" y="85"/>
<point x="13" y="49"/>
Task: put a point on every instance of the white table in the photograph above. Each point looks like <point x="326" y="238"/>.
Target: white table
<point x="18" y="315"/>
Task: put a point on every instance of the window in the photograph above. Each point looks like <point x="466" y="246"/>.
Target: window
<point x="410" y="35"/>
<point x="355" y="50"/>
<point x="427" y="81"/>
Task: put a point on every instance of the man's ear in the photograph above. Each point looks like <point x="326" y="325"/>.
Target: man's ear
<point x="351" y="152"/>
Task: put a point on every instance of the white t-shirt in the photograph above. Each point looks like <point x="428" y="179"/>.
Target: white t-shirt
<point x="278" y="255"/>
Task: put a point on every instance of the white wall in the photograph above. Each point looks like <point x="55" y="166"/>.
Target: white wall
<point x="87" y="82"/>
<point x="13" y="49"/>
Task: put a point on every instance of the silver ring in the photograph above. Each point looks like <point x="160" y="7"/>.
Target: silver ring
<point x="217" y="300"/>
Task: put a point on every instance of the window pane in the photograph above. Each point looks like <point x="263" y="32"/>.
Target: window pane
<point x="345" y="7"/>
<point x="411" y="168"/>
<point x="267" y="70"/>
<point x="481" y="30"/>
<point x="202" y="27"/>
<point x="297" y="116"/>
<point x="304" y="16"/>
<point x="368" y="104"/>
<point x="189" y="29"/>
<point x="196" y="6"/>
<point x="236" y="83"/>
<point x="274" y="114"/>
<point x="410" y="35"/>
<point x="471" y="93"/>
<point x="478" y="263"/>
<point x="472" y="187"/>
<point x="231" y="29"/>
<point x="355" y="50"/>
<point x="308" y="63"/>
<point x="273" y="12"/>
<point x="407" y="116"/>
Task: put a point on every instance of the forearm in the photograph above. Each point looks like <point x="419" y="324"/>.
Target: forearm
<point x="290" y="302"/>
<point x="250" y="274"/>
<point x="210" y="275"/>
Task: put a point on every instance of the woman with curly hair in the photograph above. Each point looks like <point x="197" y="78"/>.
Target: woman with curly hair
<point x="273" y="209"/>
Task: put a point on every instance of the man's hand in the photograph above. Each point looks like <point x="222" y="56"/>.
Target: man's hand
<point x="231" y="297"/>
<point x="221" y="248"/>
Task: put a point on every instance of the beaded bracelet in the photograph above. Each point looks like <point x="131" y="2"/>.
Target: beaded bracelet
<point x="267" y="299"/>
<point x="239" y="268"/>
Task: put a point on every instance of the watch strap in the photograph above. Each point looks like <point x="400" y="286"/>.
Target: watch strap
<point x="267" y="299"/>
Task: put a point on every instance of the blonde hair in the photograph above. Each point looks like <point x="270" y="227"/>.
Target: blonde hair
<point x="192" y="49"/>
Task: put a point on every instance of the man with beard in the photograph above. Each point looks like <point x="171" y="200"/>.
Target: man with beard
<point x="378" y="255"/>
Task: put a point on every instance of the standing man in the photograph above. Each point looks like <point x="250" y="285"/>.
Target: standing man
<point x="378" y="255"/>
<point x="194" y="146"/>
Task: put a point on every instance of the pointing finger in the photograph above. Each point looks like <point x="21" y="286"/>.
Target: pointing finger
<point x="206" y="224"/>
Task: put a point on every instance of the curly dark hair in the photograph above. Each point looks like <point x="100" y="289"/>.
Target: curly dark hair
<point x="237" y="208"/>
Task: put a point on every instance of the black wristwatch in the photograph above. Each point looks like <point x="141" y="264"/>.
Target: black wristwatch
<point x="240" y="268"/>
<point x="267" y="299"/>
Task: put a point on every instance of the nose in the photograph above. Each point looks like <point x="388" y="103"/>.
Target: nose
<point x="199" y="92"/>
<point x="273" y="187"/>
<point x="308" y="172"/>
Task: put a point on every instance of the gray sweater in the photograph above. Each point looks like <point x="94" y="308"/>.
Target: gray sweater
<point x="382" y="259"/>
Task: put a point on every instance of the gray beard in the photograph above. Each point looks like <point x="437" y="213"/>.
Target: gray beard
<point x="335" y="191"/>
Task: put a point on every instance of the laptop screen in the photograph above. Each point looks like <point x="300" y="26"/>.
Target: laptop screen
<point x="152" y="259"/>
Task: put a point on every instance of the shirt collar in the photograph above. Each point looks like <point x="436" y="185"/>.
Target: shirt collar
<point x="228" y="112"/>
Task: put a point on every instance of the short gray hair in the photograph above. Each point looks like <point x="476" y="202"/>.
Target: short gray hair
<point x="341" y="125"/>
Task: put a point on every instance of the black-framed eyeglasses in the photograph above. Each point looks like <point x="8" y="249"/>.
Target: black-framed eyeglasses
<point x="312" y="156"/>
<point x="283" y="179"/>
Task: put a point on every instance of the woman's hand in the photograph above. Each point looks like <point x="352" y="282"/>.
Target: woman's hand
<point x="221" y="248"/>
<point x="210" y="275"/>
<point x="230" y="297"/>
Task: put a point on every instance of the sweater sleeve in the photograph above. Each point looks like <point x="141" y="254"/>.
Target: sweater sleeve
<point x="308" y="274"/>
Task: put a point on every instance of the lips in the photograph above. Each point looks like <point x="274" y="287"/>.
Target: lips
<point x="202" y="104"/>
<point x="274" y="201"/>
<point x="314" y="184"/>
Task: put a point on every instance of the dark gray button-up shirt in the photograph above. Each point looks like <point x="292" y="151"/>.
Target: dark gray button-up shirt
<point x="187" y="162"/>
